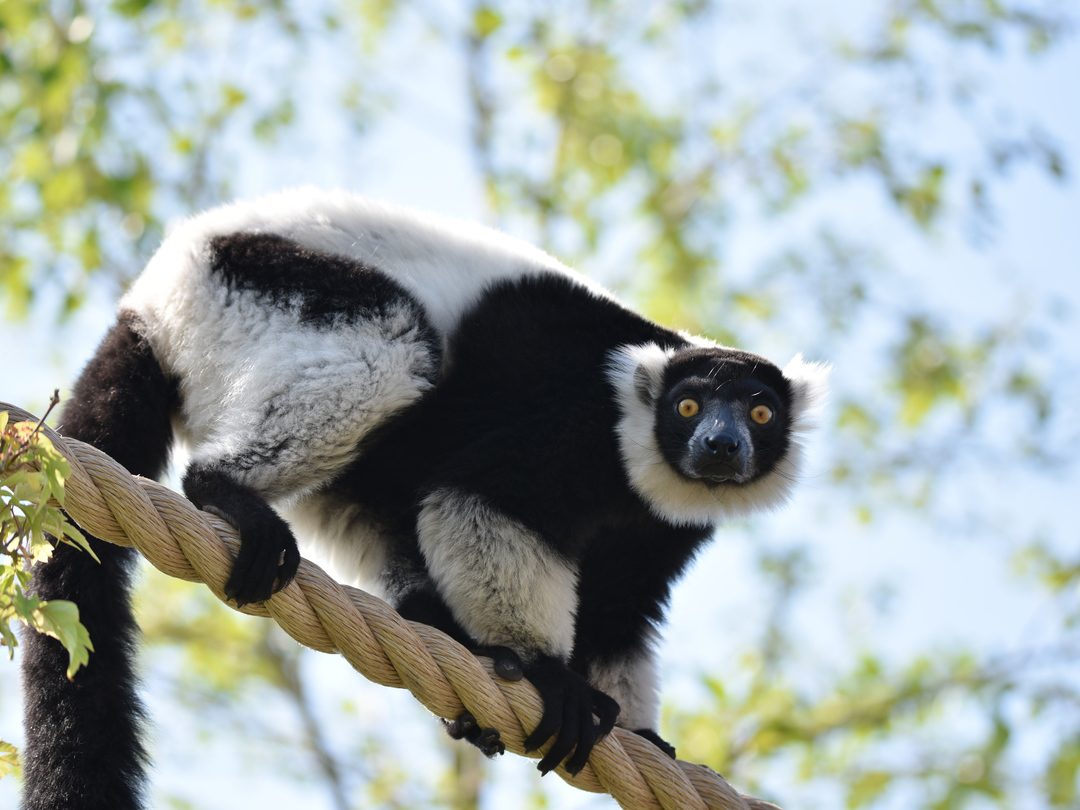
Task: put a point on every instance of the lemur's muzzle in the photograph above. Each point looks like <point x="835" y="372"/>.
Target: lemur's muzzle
<point x="719" y="450"/>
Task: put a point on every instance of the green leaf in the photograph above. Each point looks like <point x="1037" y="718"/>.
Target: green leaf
<point x="486" y="21"/>
<point x="7" y="635"/>
<point x="232" y="96"/>
<point x="9" y="760"/>
<point x="72" y="536"/>
<point x="56" y="470"/>
<point x="59" y="618"/>
<point x="41" y="550"/>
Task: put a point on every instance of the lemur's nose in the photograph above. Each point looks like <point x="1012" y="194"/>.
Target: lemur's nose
<point x="721" y="444"/>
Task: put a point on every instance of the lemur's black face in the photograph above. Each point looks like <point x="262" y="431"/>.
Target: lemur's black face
<point x="723" y="416"/>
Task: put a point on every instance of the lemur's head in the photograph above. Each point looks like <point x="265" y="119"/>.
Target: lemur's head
<point x="708" y="432"/>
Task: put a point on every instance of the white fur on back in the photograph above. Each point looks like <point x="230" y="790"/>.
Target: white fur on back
<point x="444" y="263"/>
<point x="681" y="501"/>
<point x="283" y="404"/>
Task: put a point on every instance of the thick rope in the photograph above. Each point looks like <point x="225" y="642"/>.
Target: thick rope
<point x="184" y="542"/>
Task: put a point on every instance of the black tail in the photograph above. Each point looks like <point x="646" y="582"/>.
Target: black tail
<point x="83" y="747"/>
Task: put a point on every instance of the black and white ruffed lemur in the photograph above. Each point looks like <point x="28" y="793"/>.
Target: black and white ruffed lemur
<point x="452" y="417"/>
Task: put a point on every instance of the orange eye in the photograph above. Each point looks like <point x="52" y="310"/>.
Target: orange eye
<point x="762" y="414"/>
<point x="688" y="407"/>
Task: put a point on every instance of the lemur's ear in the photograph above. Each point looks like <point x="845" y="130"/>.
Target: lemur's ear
<point x="638" y="371"/>
<point x="647" y="380"/>
<point x="809" y="386"/>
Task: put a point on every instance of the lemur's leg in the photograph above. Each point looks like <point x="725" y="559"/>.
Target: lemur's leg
<point x="506" y="586"/>
<point x="298" y="356"/>
<point x="408" y="586"/>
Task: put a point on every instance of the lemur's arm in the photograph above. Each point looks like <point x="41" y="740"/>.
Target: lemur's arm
<point x="507" y="566"/>
<point x="509" y="588"/>
<point x="626" y="575"/>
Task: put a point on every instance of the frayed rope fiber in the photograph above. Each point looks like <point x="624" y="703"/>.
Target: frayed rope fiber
<point x="320" y="613"/>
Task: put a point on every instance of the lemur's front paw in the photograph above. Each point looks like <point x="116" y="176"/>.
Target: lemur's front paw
<point x="656" y="740"/>
<point x="570" y="704"/>
<point x="268" y="557"/>
<point x="466" y="728"/>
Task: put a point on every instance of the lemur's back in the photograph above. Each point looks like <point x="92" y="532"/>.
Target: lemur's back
<point x="444" y="263"/>
<point x="296" y="322"/>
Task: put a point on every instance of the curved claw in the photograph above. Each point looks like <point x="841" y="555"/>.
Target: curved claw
<point x="569" y="705"/>
<point x="288" y="565"/>
<point x="570" y="735"/>
<point x="589" y="738"/>
<point x="607" y="709"/>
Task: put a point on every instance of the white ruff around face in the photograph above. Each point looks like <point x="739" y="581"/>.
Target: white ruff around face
<point x="636" y="372"/>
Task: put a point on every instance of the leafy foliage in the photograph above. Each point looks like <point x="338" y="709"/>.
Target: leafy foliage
<point x="32" y="475"/>
<point x="9" y="759"/>
<point x="114" y="120"/>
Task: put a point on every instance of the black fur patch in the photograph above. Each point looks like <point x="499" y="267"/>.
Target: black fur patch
<point x="424" y="605"/>
<point x="322" y="288"/>
<point x="624" y="585"/>
<point x="83" y="746"/>
<point x="524" y="417"/>
<point x="122" y="402"/>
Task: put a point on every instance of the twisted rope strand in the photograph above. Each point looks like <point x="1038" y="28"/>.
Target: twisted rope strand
<point x="318" y="612"/>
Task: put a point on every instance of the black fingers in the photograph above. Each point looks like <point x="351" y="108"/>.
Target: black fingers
<point x="268" y="557"/>
<point x="507" y="665"/>
<point x="607" y="711"/>
<point x="570" y="704"/>
<point x="466" y="728"/>
<point x="575" y="733"/>
<point x="656" y="740"/>
<point x="461" y="727"/>
<point x="550" y="719"/>
<point x="587" y="739"/>
<point x="289" y="561"/>
<point x="489" y="743"/>
<point x="267" y="561"/>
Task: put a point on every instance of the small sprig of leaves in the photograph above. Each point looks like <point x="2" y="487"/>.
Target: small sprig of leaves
<point x="32" y="476"/>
